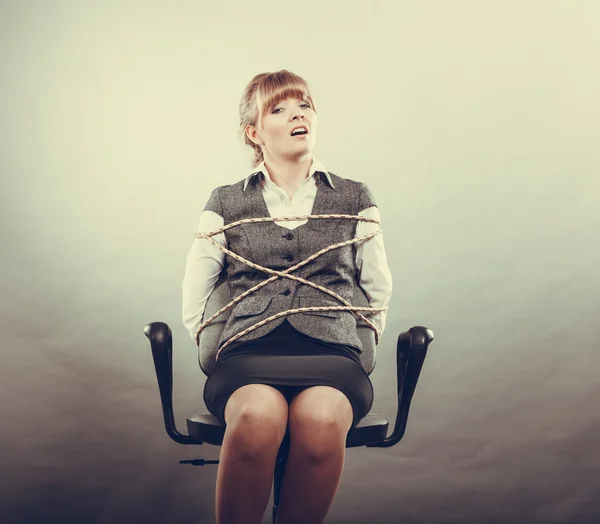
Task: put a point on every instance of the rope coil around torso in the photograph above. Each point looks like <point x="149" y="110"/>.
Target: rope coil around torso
<point x="286" y="274"/>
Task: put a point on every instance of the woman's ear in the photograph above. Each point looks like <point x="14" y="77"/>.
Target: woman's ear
<point x="253" y="135"/>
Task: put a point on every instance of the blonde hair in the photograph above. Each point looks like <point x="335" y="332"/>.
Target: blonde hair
<point x="264" y="92"/>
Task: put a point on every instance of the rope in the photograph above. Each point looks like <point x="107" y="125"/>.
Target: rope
<point x="286" y="274"/>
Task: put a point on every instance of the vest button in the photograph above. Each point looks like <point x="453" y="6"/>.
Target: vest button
<point x="288" y="257"/>
<point x="289" y="235"/>
<point x="286" y="292"/>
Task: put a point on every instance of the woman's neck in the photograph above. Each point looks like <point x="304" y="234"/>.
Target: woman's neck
<point x="288" y="175"/>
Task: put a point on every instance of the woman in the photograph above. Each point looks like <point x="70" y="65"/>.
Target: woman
<point x="300" y="372"/>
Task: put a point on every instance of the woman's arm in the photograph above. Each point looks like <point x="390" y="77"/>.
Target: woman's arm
<point x="203" y="267"/>
<point x="375" y="277"/>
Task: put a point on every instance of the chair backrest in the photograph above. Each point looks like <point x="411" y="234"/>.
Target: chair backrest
<point x="209" y="338"/>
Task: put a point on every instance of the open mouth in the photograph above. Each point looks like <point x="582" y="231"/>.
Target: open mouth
<point x="299" y="131"/>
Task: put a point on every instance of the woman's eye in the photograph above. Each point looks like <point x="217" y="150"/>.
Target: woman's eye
<point x="277" y="109"/>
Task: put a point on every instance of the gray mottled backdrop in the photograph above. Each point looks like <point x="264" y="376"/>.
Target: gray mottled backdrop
<point x="476" y="126"/>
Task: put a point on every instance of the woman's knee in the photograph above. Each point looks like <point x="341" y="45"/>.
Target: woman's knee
<point x="319" y="421"/>
<point x="257" y="414"/>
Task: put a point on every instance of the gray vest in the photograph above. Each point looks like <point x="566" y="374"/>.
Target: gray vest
<point x="279" y="248"/>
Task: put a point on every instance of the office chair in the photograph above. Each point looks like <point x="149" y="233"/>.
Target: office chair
<point x="370" y="431"/>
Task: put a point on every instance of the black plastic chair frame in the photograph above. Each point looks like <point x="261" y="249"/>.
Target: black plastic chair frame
<point x="370" y="431"/>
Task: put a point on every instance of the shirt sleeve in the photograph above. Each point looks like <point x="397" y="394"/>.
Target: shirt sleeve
<point x="202" y="269"/>
<point x="375" y="277"/>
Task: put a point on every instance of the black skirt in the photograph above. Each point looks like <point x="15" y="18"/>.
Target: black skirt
<point x="290" y="362"/>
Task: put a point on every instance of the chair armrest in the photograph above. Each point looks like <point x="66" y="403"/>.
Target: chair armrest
<point x="410" y="355"/>
<point x="161" y="342"/>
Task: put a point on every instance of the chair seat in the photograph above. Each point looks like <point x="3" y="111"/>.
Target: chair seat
<point x="370" y="429"/>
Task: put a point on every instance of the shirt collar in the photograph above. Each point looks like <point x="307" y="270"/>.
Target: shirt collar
<point x="316" y="167"/>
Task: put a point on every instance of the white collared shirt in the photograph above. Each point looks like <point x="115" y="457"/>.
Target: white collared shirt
<point x="205" y="261"/>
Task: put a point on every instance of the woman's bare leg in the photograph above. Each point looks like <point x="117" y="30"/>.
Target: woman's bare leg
<point x="319" y="420"/>
<point x="256" y="417"/>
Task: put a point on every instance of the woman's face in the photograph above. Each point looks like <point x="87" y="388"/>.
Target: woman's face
<point x="276" y="137"/>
